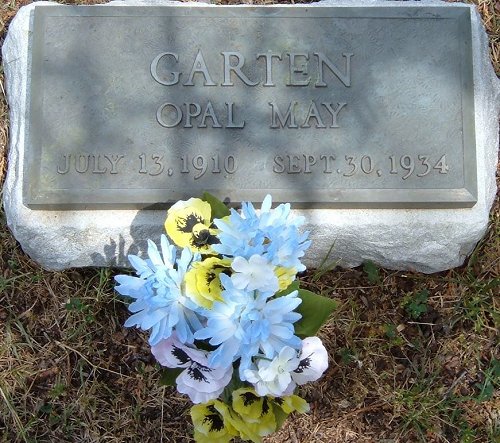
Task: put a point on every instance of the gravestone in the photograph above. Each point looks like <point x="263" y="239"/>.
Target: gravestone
<point x="377" y="121"/>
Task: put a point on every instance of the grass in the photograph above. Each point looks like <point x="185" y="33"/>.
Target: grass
<point x="414" y="358"/>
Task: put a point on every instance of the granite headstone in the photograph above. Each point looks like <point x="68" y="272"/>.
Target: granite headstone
<point x="378" y="120"/>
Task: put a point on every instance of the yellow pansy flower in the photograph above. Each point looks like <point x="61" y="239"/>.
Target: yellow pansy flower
<point x="209" y="423"/>
<point x="285" y="276"/>
<point x="203" y="285"/>
<point x="256" y="415"/>
<point x="292" y="403"/>
<point x="188" y="225"/>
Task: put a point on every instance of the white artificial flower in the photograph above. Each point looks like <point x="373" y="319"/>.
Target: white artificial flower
<point x="198" y="380"/>
<point x="255" y="273"/>
<point x="313" y="361"/>
<point x="273" y="377"/>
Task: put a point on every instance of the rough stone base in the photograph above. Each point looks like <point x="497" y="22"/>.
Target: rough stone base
<point x="426" y="240"/>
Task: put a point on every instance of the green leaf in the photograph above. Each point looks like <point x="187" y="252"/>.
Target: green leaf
<point x="390" y="331"/>
<point x="371" y="272"/>
<point x="219" y="209"/>
<point x="46" y="408"/>
<point x="487" y="391"/>
<point x="416" y="305"/>
<point x="495" y="369"/>
<point x="168" y="376"/>
<point x="279" y="415"/>
<point x="315" y="310"/>
<point x="492" y="379"/>
<point x="233" y="385"/>
<point x="347" y="355"/>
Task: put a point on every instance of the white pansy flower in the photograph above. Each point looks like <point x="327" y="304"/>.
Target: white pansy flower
<point x="273" y="377"/>
<point x="254" y="273"/>
<point x="313" y="361"/>
<point x="280" y="376"/>
<point x="198" y="380"/>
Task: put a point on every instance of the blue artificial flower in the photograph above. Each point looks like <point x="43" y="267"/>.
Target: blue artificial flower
<point x="268" y="326"/>
<point x="249" y="323"/>
<point x="273" y="234"/>
<point x="160" y="303"/>
<point x="287" y="246"/>
<point x="223" y="326"/>
<point x="256" y="273"/>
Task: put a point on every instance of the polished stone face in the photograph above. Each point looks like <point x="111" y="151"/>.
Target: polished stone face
<point x="319" y="106"/>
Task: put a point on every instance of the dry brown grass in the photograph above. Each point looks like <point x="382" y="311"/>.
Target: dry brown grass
<point x="70" y="372"/>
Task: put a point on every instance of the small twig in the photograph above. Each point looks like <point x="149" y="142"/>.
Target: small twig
<point x="364" y="409"/>
<point x="161" y="421"/>
<point x="454" y="384"/>
<point x="14" y="414"/>
<point x="3" y="90"/>
<point x="420" y="323"/>
<point x="62" y="345"/>
<point x="43" y="375"/>
<point x="293" y="436"/>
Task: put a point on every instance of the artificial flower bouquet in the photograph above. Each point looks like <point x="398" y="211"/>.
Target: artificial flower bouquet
<point x="228" y="321"/>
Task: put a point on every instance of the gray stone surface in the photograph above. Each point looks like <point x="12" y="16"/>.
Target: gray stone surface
<point x="381" y="118"/>
<point x="427" y="240"/>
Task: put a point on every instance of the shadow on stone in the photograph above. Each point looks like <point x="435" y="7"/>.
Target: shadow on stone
<point x="147" y="224"/>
